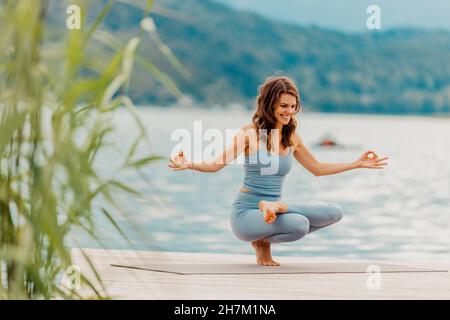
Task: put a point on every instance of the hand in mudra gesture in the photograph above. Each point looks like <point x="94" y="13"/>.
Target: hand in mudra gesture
<point x="370" y="160"/>
<point x="179" y="162"/>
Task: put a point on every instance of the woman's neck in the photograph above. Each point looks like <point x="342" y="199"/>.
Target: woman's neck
<point x="279" y="126"/>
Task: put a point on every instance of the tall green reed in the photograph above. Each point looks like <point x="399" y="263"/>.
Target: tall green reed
<point x="57" y="101"/>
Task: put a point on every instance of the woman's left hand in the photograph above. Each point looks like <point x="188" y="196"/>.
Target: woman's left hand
<point x="370" y="160"/>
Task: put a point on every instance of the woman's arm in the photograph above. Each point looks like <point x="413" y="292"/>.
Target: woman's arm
<point x="307" y="160"/>
<point x="237" y="145"/>
<point x="234" y="149"/>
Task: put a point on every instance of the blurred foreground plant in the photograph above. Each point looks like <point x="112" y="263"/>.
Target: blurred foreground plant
<point x="57" y="100"/>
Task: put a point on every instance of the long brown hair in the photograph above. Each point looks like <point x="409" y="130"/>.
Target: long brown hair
<point x="269" y="94"/>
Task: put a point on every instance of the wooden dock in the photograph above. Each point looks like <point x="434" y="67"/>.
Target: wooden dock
<point x="176" y="275"/>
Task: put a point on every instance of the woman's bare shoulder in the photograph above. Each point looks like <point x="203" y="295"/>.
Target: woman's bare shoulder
<point x="249" y="126"/>
<point x="249" y="129"/>
<point x="251" y="138"/>
<point x="298" y="143"/>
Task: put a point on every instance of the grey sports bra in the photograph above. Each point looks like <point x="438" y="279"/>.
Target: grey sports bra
<point x="265" y="172"/>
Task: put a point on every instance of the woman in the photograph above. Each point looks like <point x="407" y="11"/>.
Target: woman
<point x="269" y="143"/>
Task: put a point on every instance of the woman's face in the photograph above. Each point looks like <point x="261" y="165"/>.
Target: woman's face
<point x="285" y="108"/>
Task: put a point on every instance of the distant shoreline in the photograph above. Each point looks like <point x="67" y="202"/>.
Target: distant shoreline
<point x="244" y="108"/>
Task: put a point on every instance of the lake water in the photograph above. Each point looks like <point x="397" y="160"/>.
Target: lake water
<point x="399" y="213"/>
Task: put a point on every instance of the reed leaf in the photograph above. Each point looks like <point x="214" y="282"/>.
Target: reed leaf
<point x="58" y="96"/>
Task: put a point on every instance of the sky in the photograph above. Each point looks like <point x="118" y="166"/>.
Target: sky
<point x="350" y="15"/>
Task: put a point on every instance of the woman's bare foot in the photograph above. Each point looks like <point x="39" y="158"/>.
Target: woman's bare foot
<point x="263" y="254"/>
<point x="270" y="210"/>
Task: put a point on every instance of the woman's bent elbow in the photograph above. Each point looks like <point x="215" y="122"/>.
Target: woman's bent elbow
<point x="316" y="173"/>
<point x="218" y="167"/>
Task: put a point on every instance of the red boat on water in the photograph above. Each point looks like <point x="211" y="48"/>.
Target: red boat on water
<point x="327" y="141"/>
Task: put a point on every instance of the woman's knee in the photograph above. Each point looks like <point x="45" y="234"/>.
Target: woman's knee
<point x="336" y="212"/>
<point x="243" y="233"/>
<point x="300" y="226"/>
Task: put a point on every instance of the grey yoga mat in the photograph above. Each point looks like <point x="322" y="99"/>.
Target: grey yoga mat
<point x="288" y="268"/>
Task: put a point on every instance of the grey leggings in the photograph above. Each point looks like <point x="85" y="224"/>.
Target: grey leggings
<point x="248" y="224"/>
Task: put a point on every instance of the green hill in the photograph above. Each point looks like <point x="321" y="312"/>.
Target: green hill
<point x="229" y="53"/>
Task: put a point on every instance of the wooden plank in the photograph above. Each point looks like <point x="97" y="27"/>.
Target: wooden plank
<point x="123" y="283"/>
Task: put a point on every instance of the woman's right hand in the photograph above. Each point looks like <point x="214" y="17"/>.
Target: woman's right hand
<point x="179" y="162"/>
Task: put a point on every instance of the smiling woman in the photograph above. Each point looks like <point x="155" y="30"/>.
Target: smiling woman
<point x="286" y="108"/>
<point x="258" y="214"/>
<point x="283" y="99"/>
